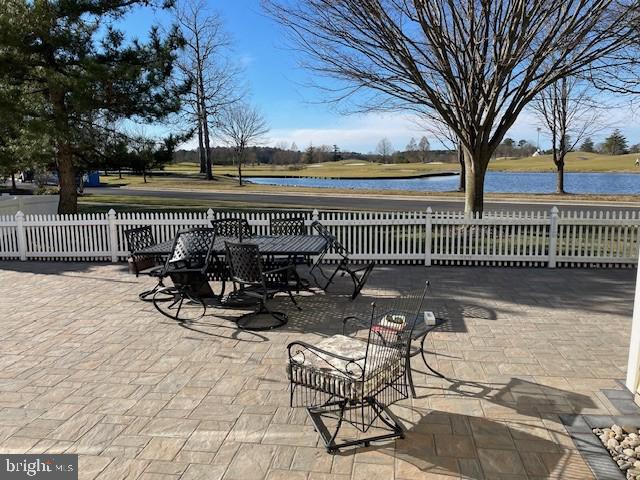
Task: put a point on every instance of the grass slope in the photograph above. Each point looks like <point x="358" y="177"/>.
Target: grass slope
<point x="575" y="162"/>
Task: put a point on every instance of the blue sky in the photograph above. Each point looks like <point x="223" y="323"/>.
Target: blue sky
<point x="294" y="111"/>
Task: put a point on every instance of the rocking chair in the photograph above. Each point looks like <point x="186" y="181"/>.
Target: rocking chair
<point x="359" y="273"/>
<point x="346" y="380"/>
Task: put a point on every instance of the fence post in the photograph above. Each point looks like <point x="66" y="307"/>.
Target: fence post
<point x="113" y="235"/>
<point x="210" y="215"/>
<point x="20" y="233"/>
<point x="428" y="235"/>
<point x="315" y="215"/>
<point x="553" y="237"/>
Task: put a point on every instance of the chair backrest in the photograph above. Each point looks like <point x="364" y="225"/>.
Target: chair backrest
<point x="192" y="249"/>
<point x="232" y="228"/>
<point x="245" y="262"/>
<point x="139" y="238"/>
<point x="288" y="226"/>
<point x="391" y="328"/>
<point x="332" y="241"/>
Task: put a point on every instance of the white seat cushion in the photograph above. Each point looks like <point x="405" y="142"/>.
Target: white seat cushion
<point x="345" y="378"/>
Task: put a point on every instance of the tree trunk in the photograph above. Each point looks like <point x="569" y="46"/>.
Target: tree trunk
<point x="13" y="183"/>
<point x="66" y="170"/>
<point x="560" y="177"/>
<point x="240" y="169"/>
<point x="201" y="154"/>
<point x="67" y="179"/>
<point x="461" y="184"/>
<point x="474" y="184"/>
<point x="207" y="148"/>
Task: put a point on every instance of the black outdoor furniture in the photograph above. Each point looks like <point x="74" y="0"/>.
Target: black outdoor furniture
<point x="237" y="228"/>
<point x="359" y="273"/>
<point x="139" y="239"/>
<point x="268" y="244"/>
<point x="288" y="226"/>
<point x="187" y="266"/>
<point x="245" y="264"/>
<point x="294" y="225"/>
<point x="345" y="379"/>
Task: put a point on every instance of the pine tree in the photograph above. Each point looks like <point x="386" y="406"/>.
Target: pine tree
<point x="587" y="145"/>
<point x="83" y="77"/>
<point x="616" y="143"/>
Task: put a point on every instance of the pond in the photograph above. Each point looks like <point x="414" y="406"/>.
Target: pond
<point x="495" y="182"/>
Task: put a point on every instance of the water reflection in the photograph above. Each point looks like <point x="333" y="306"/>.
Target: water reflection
<point x="496" y="182"/>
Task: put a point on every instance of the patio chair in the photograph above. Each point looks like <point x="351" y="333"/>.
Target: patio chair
<point x="188" y="267"/>
<point x="359" y="273"/>
<point x="247" y="271"/>
<point x="138" y="239"/>
<point x="348" y="380"/>
<point x="288" y="226"/>
<point x="232" y="228"/>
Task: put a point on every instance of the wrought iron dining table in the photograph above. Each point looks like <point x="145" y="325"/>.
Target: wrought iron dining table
<point x="281" y="245"/>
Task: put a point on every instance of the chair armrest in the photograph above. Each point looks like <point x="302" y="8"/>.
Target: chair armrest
<point x="352" y="368"/>
<point x="346" y="320"/>
<point x="313" y="348"/>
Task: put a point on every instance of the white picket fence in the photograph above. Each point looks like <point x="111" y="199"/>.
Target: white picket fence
<point x="546" y="239"/>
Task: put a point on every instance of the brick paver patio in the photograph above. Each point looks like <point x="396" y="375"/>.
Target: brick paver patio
<point x="87" y="368"/>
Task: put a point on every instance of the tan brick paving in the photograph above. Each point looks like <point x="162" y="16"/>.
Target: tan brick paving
<point x="87" y="368"/>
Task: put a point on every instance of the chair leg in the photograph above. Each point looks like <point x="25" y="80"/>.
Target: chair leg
<point x="293" y="299"/>
<point x="410" y="375"/>
<point x="338" y="268"/>
<point x="343" y="405"/>
<point x="147" y="295"/>
<point x="358" y="283"/>
<point x="395" y="428"/>
<point x="280" y="317"/>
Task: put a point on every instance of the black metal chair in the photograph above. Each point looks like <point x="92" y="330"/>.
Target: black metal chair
<point x="188" y="267"/>
<point x="232" y="228"/>
<point x="285" y="227"/>
<point x="247" y="271"/>
<point x="139" y="239"/>
<point x="359" y="273"/>
<point x="288" y="226"/>
<point x="345" y="379"/>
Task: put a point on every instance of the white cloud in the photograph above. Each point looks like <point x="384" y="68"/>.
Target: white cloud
<point x="363" y="132"/>
<point x="353" y="133"/>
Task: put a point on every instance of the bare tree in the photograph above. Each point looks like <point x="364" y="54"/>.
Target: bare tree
<point x="567" y="110"/>
<point x="205" y="62"/>
<point x="474" y="65"/>
<point x="447" y="137"/>
<point x="423" y="149"/>
<point x="384" y="148"/>
<point x="242" y="126"/>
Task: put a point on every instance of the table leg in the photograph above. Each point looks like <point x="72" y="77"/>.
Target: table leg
<point x="424" y="358"/>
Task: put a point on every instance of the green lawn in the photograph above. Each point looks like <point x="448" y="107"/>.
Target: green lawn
<point x="576" y="162"/>
<point x="342" y="169"/>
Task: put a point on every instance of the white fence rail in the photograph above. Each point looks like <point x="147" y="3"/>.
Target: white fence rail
<point x="422" y="237"/>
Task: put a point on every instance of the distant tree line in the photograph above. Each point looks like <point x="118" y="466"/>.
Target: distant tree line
<point x="257" y="155"/>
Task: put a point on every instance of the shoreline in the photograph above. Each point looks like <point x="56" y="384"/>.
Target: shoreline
<point x="387" y="177"/>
